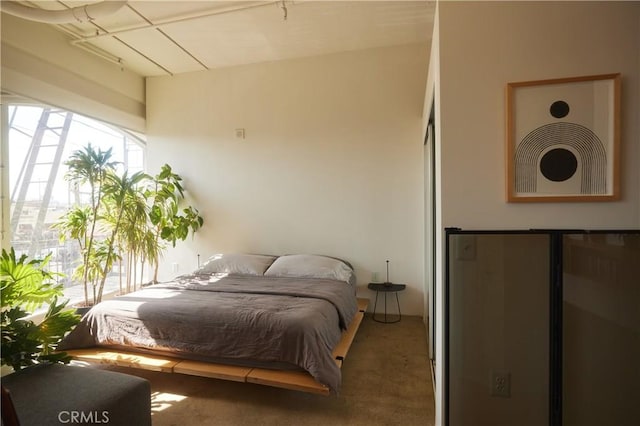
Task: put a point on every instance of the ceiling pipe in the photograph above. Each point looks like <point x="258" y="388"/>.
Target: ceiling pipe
<point x="81" y="14"/>
<point x="177" y="19"/>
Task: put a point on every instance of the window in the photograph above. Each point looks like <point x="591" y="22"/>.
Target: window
<point x="41" y="139"/>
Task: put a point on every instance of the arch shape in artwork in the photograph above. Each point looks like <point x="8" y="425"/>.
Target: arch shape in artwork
<point x="592" y="157"/>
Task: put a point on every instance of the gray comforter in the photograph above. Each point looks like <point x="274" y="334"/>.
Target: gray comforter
<point x="229" y="318"/>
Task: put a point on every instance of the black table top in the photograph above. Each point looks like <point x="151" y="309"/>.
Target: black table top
<point x="386" y="286"/>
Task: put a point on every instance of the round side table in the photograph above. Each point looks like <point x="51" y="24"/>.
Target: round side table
<point x="386" y="288"/>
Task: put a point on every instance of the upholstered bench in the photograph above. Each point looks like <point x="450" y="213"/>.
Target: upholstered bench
<point x="55" y="394"/>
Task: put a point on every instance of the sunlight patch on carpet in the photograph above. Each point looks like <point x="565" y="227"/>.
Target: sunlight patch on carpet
<point x="162" y="400"/>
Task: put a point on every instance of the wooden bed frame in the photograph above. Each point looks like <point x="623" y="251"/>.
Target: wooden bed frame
<point x="295" y="380"/>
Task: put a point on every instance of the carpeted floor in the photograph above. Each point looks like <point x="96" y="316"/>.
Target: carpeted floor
<point x="386" y="381"/>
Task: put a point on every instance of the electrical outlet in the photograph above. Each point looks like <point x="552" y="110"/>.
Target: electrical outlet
<point x="374" y="277"/>
<point x="500" y="384"/>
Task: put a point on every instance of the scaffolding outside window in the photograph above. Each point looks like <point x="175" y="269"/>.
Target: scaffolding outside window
<point x="41" y="139"/>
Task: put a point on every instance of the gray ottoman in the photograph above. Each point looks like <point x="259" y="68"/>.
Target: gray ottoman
<point x="55" y="394"/>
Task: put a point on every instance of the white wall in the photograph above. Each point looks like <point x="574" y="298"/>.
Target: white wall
<point x="38" y="62"/>
<point x="529" y="41"/>
<point x="481" y="47"/>
<point x="331" y="163"/>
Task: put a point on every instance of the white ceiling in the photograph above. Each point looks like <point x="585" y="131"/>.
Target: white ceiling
<point x="155" y="38"/>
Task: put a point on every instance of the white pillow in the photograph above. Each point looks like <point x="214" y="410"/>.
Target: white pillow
<point x="311" y="266"/>
<point x="236" y="264"/>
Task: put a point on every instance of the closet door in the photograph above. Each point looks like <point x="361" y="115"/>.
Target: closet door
<point x="498" y="328"/>
<point x="601" y="329"/>
<point x="430" y="232"/>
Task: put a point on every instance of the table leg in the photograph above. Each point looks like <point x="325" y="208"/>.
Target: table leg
<point x="375" y="306"/>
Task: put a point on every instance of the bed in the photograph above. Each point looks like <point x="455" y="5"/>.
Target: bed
<point x="254" y="315"/>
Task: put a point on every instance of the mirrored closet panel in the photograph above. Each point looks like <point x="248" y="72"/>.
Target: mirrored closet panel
<point x="542" y="327"/>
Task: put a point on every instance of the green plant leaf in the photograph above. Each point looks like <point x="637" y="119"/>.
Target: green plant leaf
<point x="26" y="285"/>
<point x="155" y="214"/>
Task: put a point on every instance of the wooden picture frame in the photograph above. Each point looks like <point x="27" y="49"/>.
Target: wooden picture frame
<point x="563" y="139"/>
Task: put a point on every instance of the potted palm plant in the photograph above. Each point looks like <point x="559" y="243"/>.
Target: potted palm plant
<point x="128" y="219"/>
<point x="121" y="193"/>
<point x="87" y="167"/>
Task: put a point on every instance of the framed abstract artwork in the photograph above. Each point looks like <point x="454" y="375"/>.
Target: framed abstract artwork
<point x="563" y="139"/>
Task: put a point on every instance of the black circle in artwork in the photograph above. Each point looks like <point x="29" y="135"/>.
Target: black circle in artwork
<point x="559" y="109"/>
<point x="558" y="164"/>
